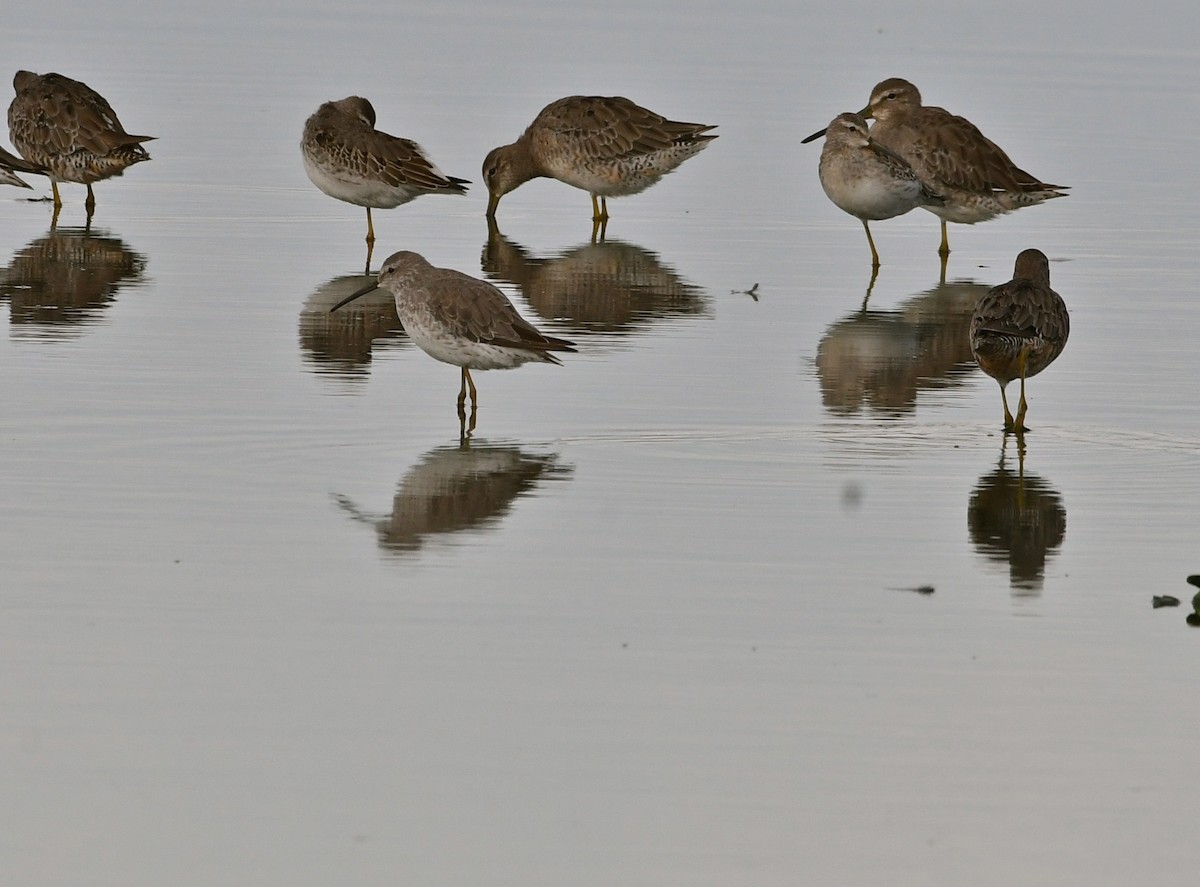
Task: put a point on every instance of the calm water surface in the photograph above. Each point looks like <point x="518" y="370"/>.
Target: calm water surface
<point x="750" y="590"/>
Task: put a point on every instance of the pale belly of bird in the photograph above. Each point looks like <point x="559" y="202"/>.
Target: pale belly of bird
<point x="348" y="185"/>
<point x="871" y="197"/>
<point x="456" y="347"/>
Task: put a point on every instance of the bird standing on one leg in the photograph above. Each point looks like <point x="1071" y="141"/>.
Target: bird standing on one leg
<point x="865" y="179"/>
<point x="349" y="159"/>
<point x="1019" y="328"/>
<point x="950" y="154"/>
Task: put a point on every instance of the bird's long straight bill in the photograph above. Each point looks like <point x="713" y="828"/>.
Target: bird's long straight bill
<point x="816" y="135"/>
<point x="374" y="285"/>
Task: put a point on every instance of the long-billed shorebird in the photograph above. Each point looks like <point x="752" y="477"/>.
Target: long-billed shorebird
<point x="67" y="128"/>
<point x="865" y="179"/>
<point x="605" y="145"/>
<point x="952" y="157"/>
<point x="349" y="159"/>
<point x="460" y="320"/>
<point x="1019" y="328"/>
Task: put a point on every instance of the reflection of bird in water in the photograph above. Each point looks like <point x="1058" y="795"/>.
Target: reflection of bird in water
<point x="977" y="180"/>
<point x="599" y="287"/>
<point x="71" y="130"/>
<point x="865" y="179"/>
<point x="67" y="278"/>
<point x="1018" y="519"/>
<point x="1019" y="328"/>
<point x="455" y="489"/>
<point x="10" y="165"/>
<point x="460" y="320"/>
<point x="880" y="360"/>
<point x="605" y="145"/>
<point x="342" y="343"/>
<point x="349" y="159"/>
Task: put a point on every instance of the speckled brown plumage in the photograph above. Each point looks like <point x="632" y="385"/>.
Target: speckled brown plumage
<point x="950" y="154"/>
<point x="349" y="159"/>
<point x="1019" y="328"/>
<point x="69" y="129"/>
<point x="605" y="145"/>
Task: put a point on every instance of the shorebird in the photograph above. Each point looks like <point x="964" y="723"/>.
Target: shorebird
<point x="1019" y="328"/>
<point x="460" y="320"/>
<point x="865" y="179"/>
<point x="952" y="157"/>
<point x="605" y="145"/>
<point x="349" y="159"/>
<point x="10" y="165"/>
<point x="67" y="128"/>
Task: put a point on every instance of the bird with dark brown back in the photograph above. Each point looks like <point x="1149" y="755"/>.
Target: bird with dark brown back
<point x="1019" y="328"/>
<point x="67" y="128"/>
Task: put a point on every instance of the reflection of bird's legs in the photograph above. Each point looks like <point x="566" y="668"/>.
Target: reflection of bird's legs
<point x="599" y="218"/>
<point x="370" y="241"/>
<point x="1020" y="473"/>
<point x="870" y="286"/>
<point x="944" y="249"/>
<point x="1022" y="407"/>
<point x="465" y="430"/>
<point x="871" y="243"/>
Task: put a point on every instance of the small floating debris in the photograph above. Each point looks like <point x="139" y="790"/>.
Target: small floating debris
<point x="752" y="292"/>
<point x="919" y="589"/>
<point x="1165" y="600"/>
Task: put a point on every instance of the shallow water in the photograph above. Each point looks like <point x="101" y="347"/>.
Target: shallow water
<point x="751" y="589"/>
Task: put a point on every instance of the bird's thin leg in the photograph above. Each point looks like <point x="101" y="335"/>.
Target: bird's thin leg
<point x="465" y="428"/>
<point x="944" y="249"/>
<point x="370" y="229"/>
<point x="471" y="385"/>
<point x="462" y="391"/>
<point x="1022" y="407"/>
<point x="945" y="259"/>
<point x="57" y="198"/>
<point x="596" y="217"/>
<point x="871" y="243"/>
<point x="370" y="249"/>
<point x="1008" y="417"/>
<point x="90" y="203"/>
